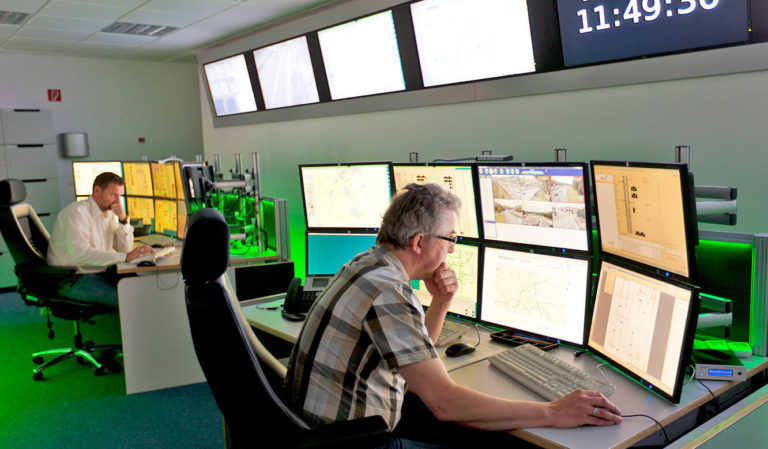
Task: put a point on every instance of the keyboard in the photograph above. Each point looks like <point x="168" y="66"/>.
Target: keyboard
<point x="451" y="331"/>
<point x="307" y="299"/>
<point x="545" y="374"/>
<point x="158" y="239"/>
<point x="159" y="254"/>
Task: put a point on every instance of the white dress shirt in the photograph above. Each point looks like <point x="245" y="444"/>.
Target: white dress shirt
<point x="88" y="238"/>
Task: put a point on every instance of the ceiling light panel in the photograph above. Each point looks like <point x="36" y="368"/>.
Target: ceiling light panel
<point x="12" y="17"/>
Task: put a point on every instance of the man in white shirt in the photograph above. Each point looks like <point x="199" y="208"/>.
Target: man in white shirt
<point x="93" y="235"/>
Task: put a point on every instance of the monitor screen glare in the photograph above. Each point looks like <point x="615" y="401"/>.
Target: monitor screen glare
<point x="345" y="196"/>
<point x="85" y="172"/>
<point x="230" y="86"/>
<point x="457" y="179"/>
<point x="536" y="293"/>
<point x="464" y="262"/>
<point x="542" y="206"/>
<point x="285" y="74"/>
<point x="642" y="325"/>
<point x="362" y="57"/>
<point x="464" y="40"/>
<point x="641" y="215"/>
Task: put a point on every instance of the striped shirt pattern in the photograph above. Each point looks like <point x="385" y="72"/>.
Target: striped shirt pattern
<point x="366" y="324"/>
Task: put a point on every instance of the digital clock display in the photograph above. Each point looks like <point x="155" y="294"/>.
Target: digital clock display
<point x="605" y="30"/>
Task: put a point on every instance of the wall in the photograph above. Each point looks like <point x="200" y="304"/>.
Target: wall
<point x="722" y="118"/>
<point x="114" y="101"/>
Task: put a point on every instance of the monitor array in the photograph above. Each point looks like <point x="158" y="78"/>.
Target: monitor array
<point x="525" y="259"/>
<point x="156" y="193"/>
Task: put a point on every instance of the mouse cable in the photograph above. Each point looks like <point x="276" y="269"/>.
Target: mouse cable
<point x="666" y="438"/>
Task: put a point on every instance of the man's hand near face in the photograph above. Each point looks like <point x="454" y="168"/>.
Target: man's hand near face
<point x="442" y="285"/>
<point x="117" y="209"/>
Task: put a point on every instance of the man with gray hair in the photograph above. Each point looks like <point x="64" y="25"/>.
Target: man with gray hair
<point x="367" y="336"/>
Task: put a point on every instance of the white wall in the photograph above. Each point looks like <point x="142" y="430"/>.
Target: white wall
<point x="114" y="101"/>
<point x="723" y="119"/>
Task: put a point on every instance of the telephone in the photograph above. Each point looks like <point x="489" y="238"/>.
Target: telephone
<point x="292" y="307"/>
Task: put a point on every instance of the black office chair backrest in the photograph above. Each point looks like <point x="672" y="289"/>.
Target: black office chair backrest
<point x="224" y="344"/>
<point x="24" y="233"/>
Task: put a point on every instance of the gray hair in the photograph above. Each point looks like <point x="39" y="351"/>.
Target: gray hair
<point x="418" y="209"/>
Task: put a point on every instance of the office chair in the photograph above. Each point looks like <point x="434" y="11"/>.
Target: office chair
<point x="246" y="380"/>
<point x="27" y="241"/>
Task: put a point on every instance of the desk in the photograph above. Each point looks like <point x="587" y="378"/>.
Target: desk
<point x="157" y="344"/>
<point x="473" y="372"/>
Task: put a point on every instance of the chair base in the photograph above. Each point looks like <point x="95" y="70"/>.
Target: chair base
<point x="85" y="355"/>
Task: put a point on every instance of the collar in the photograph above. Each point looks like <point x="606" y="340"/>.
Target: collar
<point x="387" y="253"/>
<point x="95" y="209"/>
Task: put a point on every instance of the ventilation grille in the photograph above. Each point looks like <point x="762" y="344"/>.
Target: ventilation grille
<point x="138" y="29"/>
<point x="12" y="18"/>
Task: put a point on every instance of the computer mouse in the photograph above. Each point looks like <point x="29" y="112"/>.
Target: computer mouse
<point x="145" y="263"/>
<point x="459" y="348"/>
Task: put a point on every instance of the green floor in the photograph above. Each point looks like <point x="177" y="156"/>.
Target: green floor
<point x="73" y="408"/>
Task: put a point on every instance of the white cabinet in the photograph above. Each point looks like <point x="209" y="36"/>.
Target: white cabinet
<point x="28" y="152"/>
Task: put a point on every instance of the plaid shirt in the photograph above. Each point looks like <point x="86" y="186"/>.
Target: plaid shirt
<point x="366" y="324"/>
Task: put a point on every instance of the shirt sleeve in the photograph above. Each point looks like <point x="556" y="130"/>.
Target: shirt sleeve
<point x="396" y="327"/>
<point x="123" y="237"/>
<point x="79" y="248"/>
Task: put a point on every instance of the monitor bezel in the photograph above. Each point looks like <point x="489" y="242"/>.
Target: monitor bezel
<point x="688" y="335"/>
<point x="689" y="214"/>
<point x="587" y="205"/>
<point x="472" y="167"/>
<point x="340" y="164"/>
<point x="527" y="333"/>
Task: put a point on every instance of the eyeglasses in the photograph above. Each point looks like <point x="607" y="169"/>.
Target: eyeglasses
<point x="453" y="239"/>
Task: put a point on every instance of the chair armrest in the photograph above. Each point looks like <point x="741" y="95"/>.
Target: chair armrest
<point x="359" y="433"/>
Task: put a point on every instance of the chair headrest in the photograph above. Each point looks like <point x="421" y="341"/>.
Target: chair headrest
<point x="12" y="191"/>
<point x="205" y="254"/>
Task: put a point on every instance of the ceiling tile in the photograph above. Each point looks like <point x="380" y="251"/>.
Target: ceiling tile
<point x="7" y="30"/>
<point x="130" y="4"/>
<point x="61" y="8"/>
<point x="147" y="17"/>
<point x="68" y="24"/>
<point x="200" y="8"/>
<point x="30" y="6"/>
<point x="54" y="35"/>
<point x="36" y="44"/>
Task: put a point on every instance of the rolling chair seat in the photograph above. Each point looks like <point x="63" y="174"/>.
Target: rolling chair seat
<point x="38" y="283"/>
<point x="245" y="379"/>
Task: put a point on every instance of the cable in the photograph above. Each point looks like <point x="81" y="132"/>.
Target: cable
<point x="710" y="391"/>
<point x="666" y="438"/>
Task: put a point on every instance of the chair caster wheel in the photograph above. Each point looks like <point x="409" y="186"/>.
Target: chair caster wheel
<point x="38" y="376"/>
<point x="37" y="360"/>
<point x="100" y="371"/>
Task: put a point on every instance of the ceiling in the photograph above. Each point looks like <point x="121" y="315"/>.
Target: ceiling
<point x="74" y="27"/>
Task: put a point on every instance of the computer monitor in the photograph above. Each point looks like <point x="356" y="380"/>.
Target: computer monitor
<point x="198" y="181"/>
<point x="179" y="181"/>
<point x="465" y="40"/>
<point x="285" y="74"/>
<point x="345" y="196"/>
<point x="327" y="252"/>
<point x="644" y="326"/>
<point x="457" y="179"/>
<point x="645" y="215"/>
<point x="536" y="204"/>
<point x="166" y="217"/>
<point x="465" y="262"/>
<point x="163" y="180"/>
<point x="181" y="218"/>
<point x="362" y="57"/>
<point x="85" y="172"/>
<point x="138" y="179"/>
<point x="141" y="208"/>
<point x="539" y="295"/>
<point x="230" y="86"/>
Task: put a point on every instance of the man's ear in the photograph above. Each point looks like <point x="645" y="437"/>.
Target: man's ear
<point x="416" y="242"/>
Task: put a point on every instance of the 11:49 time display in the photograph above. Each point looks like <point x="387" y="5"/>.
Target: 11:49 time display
<point x="639" y="10"/>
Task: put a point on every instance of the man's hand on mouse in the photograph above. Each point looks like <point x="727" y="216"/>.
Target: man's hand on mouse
<point x="584" y="407"/>
<point x="139" y="251"/>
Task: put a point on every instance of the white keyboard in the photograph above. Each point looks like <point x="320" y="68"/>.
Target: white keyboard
<point x="158" y="254"/>
<point x="158" y="239"/>
<point x="545" y="374"/>
<point x="451" y="331"/>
